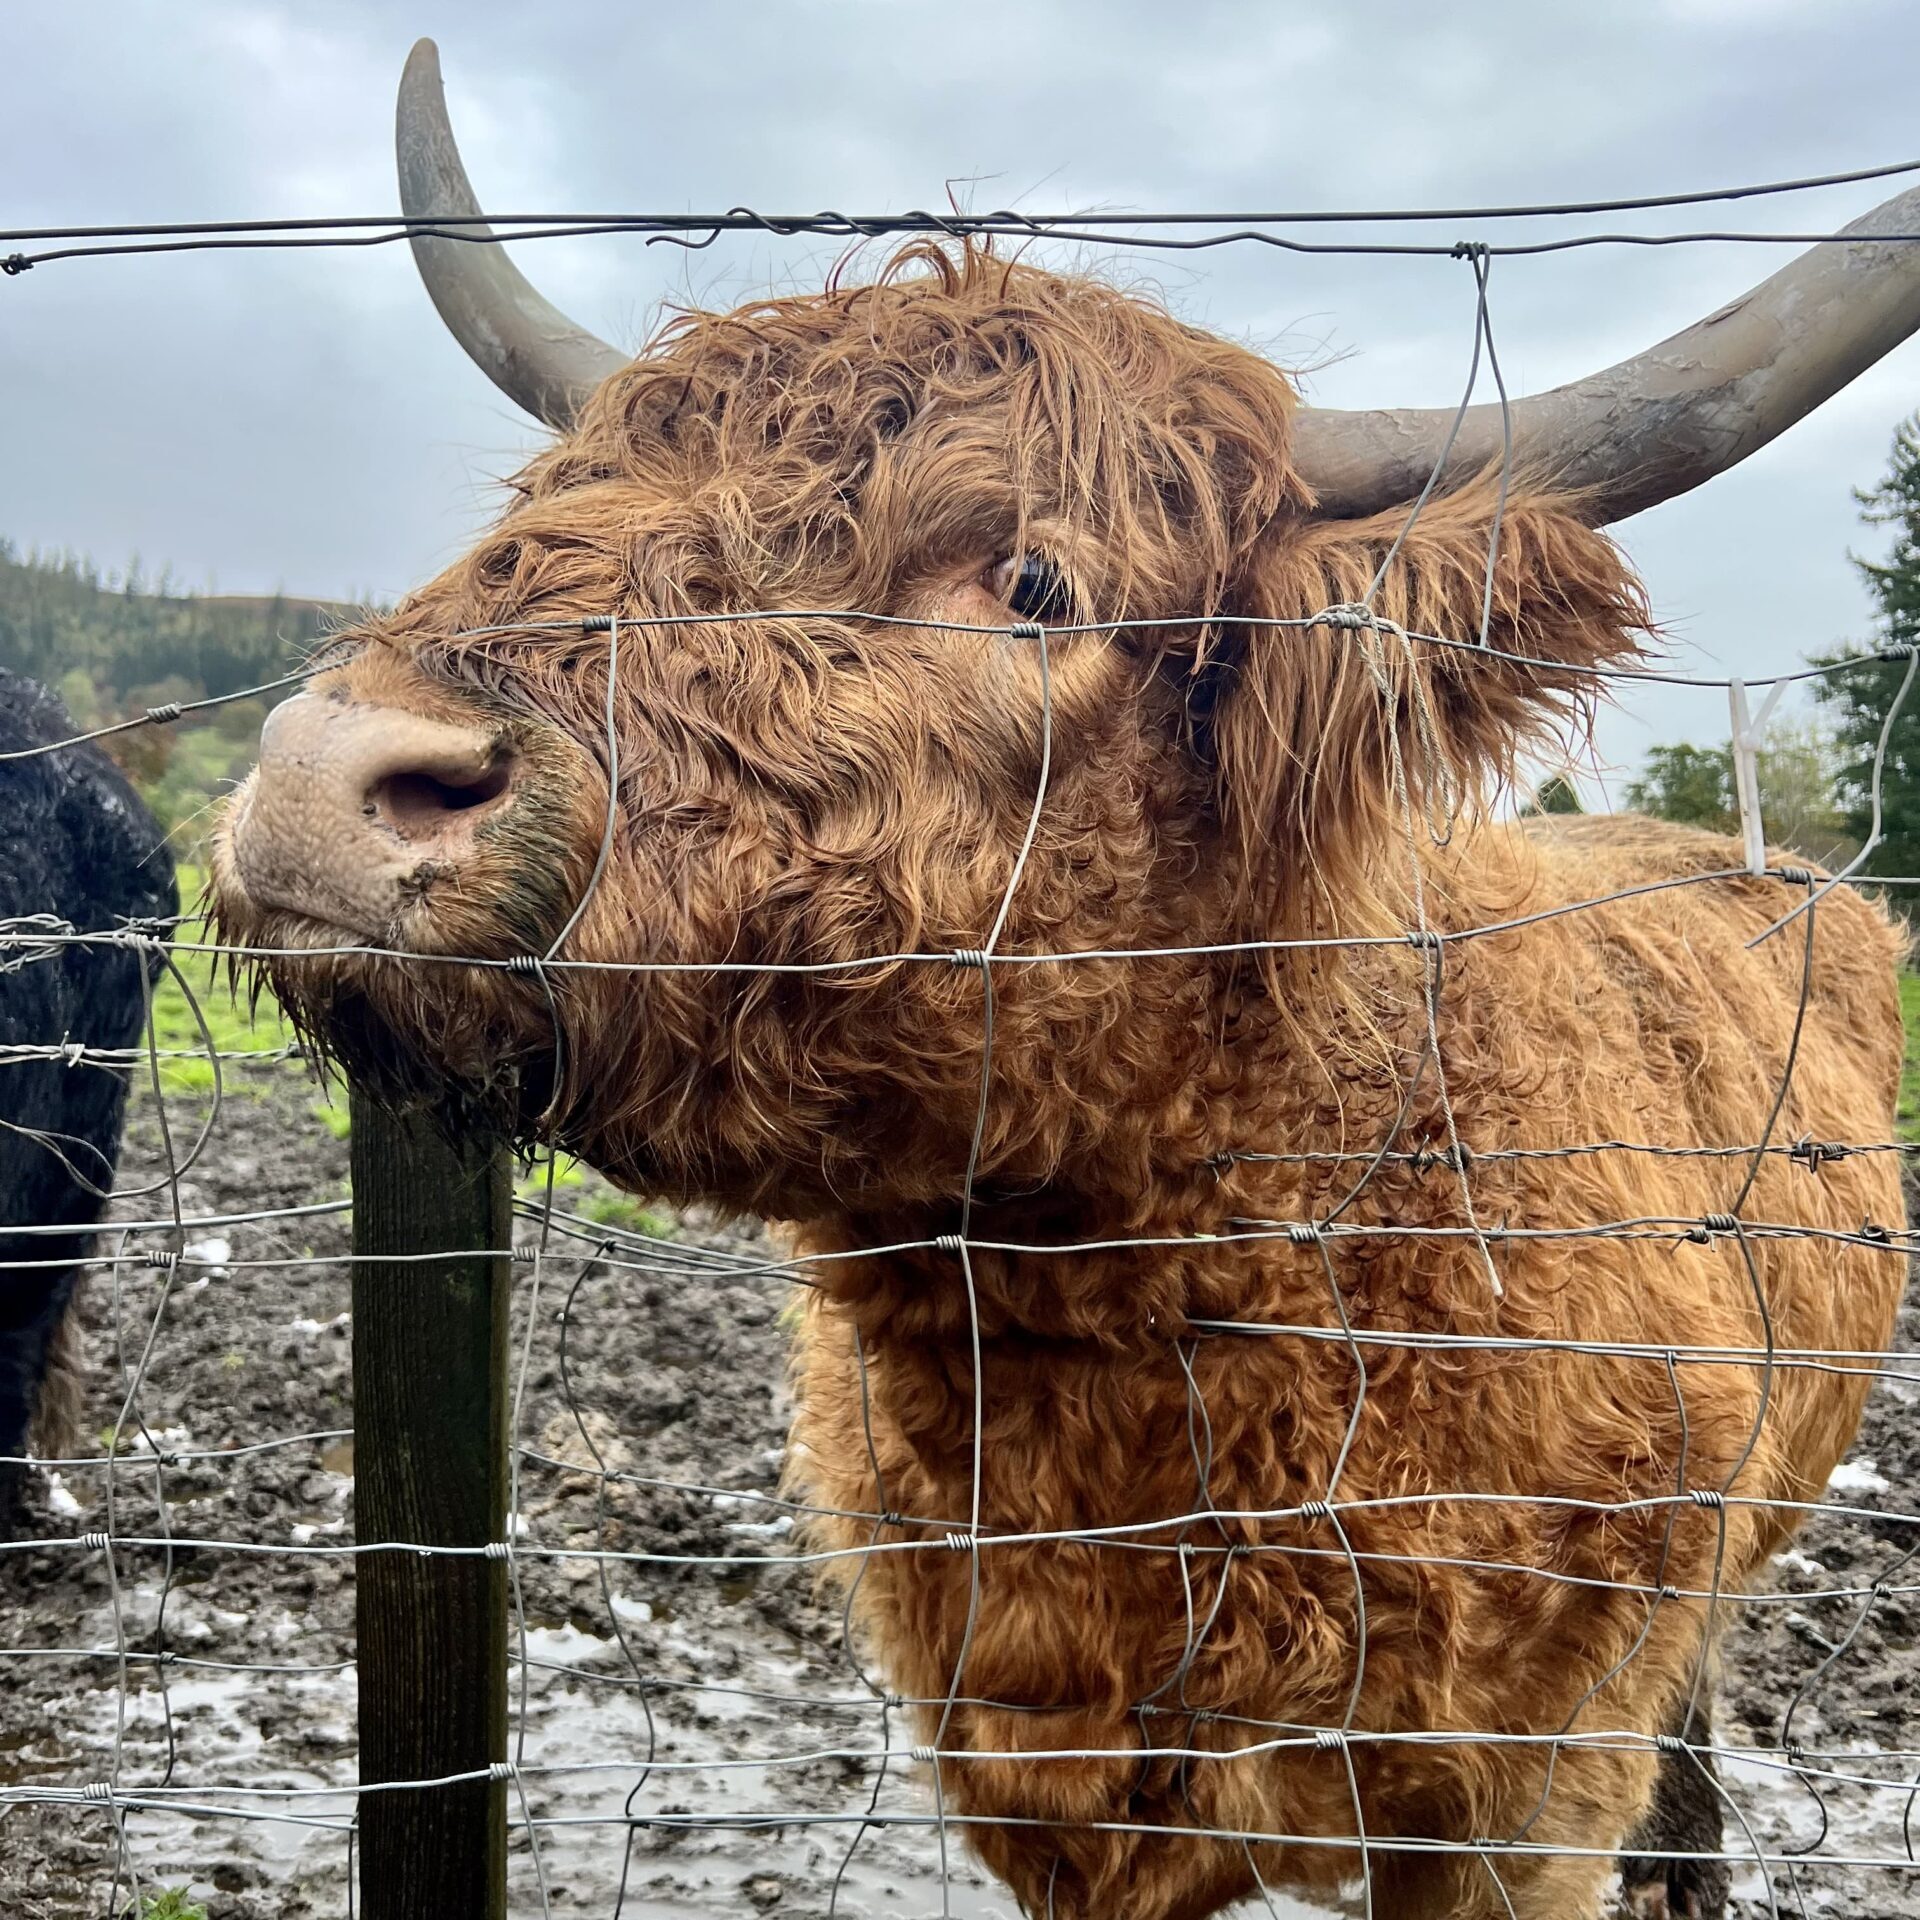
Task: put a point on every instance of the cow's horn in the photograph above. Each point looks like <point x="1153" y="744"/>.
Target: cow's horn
<point x="1625" y="439"/>
<point x="1664" y="421"/>
<point x="525" y="345"/>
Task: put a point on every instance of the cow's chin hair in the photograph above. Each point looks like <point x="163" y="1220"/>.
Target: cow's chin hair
<point x="479" y="1049"/>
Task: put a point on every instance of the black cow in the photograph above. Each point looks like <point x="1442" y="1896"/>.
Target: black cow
<point x="76" y="845"/>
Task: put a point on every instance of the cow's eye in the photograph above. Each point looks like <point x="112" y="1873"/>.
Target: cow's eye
<point x="1033" y="587"/>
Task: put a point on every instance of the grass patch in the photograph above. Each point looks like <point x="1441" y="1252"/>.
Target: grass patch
<point x="234" y="1026"/>
<point x="167" y="1903"/>
<point x="611" y="1208"/>
<point x="578" y="1189"/>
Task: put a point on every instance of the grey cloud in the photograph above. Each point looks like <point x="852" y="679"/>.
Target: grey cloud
<point x="300" y="419"/>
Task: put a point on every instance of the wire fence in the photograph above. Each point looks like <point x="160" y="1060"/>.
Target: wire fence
<point x="682" y="1695"/>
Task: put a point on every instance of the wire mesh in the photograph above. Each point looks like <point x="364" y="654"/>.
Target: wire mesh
<point x="691" y="1712"/>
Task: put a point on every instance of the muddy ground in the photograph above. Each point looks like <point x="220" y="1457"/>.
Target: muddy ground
<point x="673" y="1372"/>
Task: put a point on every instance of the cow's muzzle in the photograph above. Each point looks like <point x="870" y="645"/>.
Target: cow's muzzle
<point x="356" y="813"/>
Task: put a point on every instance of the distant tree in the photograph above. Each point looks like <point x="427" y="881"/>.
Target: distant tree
<point x="1798" y="769"/>
<point x="1799" y="773"/>
<point x="1693" y="785"/>
<point x="1555" y="794"/>
<point x="1861" y="698"/>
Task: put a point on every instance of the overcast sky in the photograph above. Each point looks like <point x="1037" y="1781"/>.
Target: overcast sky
<point x="301" y="420"/>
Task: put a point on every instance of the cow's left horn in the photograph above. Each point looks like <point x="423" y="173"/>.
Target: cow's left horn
<point x="1669" y="418"/>
<point x="525" y="345"/>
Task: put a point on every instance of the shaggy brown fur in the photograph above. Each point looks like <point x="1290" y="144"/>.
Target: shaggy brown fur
<point x="814" y="788"/>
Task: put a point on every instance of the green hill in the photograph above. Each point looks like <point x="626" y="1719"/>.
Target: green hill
<point x="113" y="645"/>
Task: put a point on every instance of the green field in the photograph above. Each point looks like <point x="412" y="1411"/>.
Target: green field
<point x="193" y="1004"/>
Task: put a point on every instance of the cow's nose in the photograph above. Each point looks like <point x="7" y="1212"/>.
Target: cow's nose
<point x="353" y="809"/>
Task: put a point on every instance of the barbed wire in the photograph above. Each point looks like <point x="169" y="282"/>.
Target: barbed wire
<point x="1111" y="227"/>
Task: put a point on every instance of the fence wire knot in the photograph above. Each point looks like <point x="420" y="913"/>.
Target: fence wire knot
<point x="162" y="1257"/>
<point x="1669" y="1743"/>
<point x="497" y="1550"/>
<point x="97" y="1793"/>
<point x="523" y="963"/>
<point x="1709" y="1497"/>
<point x="498" y="1770"/>
<point x="96" y="1542"/>
<point x="1711" y="1227"/>
<point x="1347" y="616"/>
<point x="1303" y="1233"/>
<point x="1026" y="630"/>
<point x="1814" y="1154"/>
<point x="959" y="1542"/>
<point x="947" y="1243"/>
<point x="969" y="957"/>
<point x="1329" y="1740"/>
<point x="1315" y="1510"/>
<point x="165" y="711"/>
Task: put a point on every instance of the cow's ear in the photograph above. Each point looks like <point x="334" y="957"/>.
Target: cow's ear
<point x="1321" y="737"/>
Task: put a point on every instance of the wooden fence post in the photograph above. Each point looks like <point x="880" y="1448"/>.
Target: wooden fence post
<point x="430" y="1465"/>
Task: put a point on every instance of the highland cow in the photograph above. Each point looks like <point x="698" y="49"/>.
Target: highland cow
<point x="77" y="850"/>
<point x="1136" y="1194"/>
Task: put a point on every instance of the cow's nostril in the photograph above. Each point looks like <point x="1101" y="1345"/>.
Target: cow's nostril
<point x="418" y="804"/>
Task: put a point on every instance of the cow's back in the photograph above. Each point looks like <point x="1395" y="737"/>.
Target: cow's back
<point x="1720" y="1006"/>
<point x="77" y="847"/>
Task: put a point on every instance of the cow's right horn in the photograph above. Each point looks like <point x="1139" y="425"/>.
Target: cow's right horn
<point x="1666" y="420"/>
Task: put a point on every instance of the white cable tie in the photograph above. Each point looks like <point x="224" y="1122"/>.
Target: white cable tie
<point x="1747" y="729"/>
